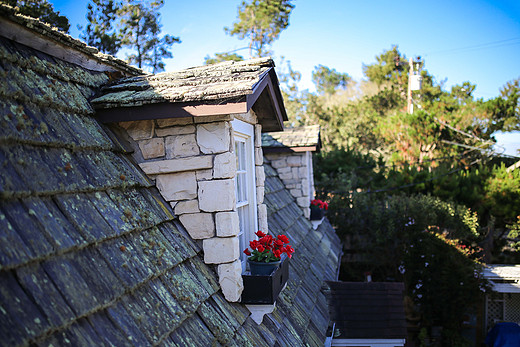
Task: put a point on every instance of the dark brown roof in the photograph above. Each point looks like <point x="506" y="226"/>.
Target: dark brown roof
<point x="367" y="310"/>
<point x="225" y="88"/>
<point x="305" y="138"/>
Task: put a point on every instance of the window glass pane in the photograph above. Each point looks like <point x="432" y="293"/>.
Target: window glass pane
<point x="243" y="216"/>
<point x="245" y="184"/>
<point x="240" y="151"/>
<point x="240" y="187"/>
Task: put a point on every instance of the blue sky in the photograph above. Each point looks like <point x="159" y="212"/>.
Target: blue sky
<point x="476" y="41"/>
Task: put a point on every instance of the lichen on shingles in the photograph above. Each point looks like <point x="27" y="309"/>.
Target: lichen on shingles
<point x="205" y="83"/>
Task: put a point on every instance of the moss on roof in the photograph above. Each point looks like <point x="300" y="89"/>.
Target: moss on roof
<point x="47" y="31"/>
<point x="90" y="253"/>
<point x="305" y="136"/>
<point x="224" y="80"/>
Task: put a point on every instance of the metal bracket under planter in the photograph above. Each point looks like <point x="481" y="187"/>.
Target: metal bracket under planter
<point x="264" y="290"/>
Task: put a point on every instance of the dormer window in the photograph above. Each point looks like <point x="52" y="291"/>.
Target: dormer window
<point x="245" y="187"/>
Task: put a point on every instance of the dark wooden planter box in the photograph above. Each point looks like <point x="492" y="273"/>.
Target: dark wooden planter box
<point x="316" y="213"/>
<point x="264" y="290"/>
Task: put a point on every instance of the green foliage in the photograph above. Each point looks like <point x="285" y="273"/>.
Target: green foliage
<point x="140" y="30"/>
<point x="100" y="31"/>
<point x="412" y="137"/>
<point x="502" y="194"/>
<point x="514" y="234"/>
<point x="504" y="111"/>
<point x="421" y="240"/>
<point x="41" y="9"/>
<point x="409" y="192"/>
<point x="391" y="66"/>
<point x="220" y="57"/>
<point x="328" y="80"/>
<point x="261" y="21"/>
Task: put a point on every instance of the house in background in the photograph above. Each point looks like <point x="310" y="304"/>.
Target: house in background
<point x="503" y="303"/>
<point x="126" y="199"/>
<point x="290" y="152"/>
<point x="367" y="314"/>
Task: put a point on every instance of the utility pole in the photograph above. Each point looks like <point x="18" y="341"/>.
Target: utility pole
<point x="414" y="82"/>
<point x="409" y="103"/>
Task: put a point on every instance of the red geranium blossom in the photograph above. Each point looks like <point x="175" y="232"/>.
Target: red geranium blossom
<point x="320" y="204"/>
<point x="269" y="249"/>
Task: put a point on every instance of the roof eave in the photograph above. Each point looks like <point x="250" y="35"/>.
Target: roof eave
<point x="287" y="149"/>
<point x="266" y="100"/>
<point x="269" y="86"/>
<point x="169" y="110"/>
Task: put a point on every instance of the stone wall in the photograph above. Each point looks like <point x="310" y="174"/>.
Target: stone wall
<point x="295" y="171"/>
<point x="192" y="162"/>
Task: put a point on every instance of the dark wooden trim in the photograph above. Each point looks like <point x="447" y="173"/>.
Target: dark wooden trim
<point x="274" y="93"/>
<point x="169" y="110"/>
<point x="257" y="91"/>
<point x="288" y="149"/>
<point x="237" y="105"/>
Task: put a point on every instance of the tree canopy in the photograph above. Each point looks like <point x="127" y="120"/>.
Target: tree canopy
<point x="41" y="9"/>
<point x="100" y="31"/>
<point x="140" y="31"/>
<point x="220" y="57"/>
<point x="327" y="80"/>
<point x="261" y="21"/>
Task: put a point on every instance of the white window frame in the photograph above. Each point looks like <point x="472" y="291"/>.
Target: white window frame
<point x="244" y="132"/>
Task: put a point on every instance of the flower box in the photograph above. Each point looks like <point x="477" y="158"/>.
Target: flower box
<point x="316" y="213"/>
<point x="318" y="208"/>
<point x="264" y="289"/>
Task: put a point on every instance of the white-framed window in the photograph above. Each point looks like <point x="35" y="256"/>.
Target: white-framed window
<point x="245" y="184"/>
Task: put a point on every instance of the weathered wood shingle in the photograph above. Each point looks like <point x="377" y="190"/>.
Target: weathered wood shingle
<point x="293" y="139"/>
<point x="208" y="83"/>
<point x="90" y="254"/>
<point x="301" y="316"/>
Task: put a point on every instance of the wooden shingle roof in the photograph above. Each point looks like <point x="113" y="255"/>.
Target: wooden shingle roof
<point x="225" y="88"/>
<point x="301" y="317"/>
<point x="37" y="34"/>
<point x="226" y="80"/>
<point x="91" y="254"/>
<point x="305" y="138"/>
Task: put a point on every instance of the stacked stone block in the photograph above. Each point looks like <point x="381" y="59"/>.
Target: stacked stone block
<point x="193" y="163"/>
<point x="295" y="171"/>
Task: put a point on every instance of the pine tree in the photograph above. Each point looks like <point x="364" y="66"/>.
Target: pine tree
<point x="100" y="31"/>
<point x="140" y="30"/>
<point x="261" y="21"/>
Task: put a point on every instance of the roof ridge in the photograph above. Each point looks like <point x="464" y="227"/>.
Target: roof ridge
<point x="64" y="39"/>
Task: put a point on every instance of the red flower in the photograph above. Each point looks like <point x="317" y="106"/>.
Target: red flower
<point x="266" y="239"/>
<point x="283" y="238"/>
<point x="268" y="248"/>
<point x="320" y="204"/>
<point x="289" y="250"/>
